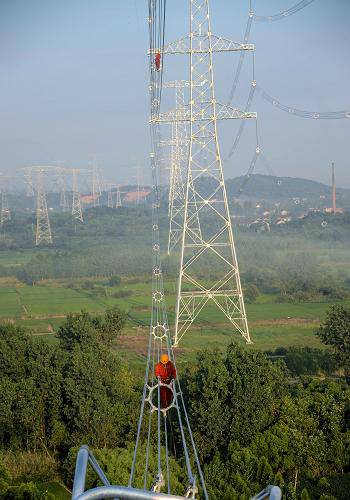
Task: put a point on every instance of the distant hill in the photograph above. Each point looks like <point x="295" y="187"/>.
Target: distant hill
<point x="260" y="185"/>
<point x="258" y="188"/>
<point x="269" y="187"/>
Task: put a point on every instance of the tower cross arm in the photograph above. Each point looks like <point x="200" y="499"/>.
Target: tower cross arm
<point x="174" y="142"/>
<point x="218" y="44"/>
<point x="205" y="112"/>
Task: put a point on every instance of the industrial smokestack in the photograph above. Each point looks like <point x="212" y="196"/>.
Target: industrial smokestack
<point x="334" y="194"/>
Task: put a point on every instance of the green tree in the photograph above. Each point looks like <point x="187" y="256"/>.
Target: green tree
<point x="56" y="396"/>
<point x="255" y="391"/>
<point x="233" y="396"/>
<point x="305" y="495"/>
<point x="5" y="480"/>
<point x="114" y="280"/>
<point x="84" y="329"/>
<point x="251" y="293"/>
<point x="208" y="388"/>
<point x="335" y="332"/>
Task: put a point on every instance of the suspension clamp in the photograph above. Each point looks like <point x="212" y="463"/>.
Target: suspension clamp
<point x="158" y="483"/>
<point x="192" y="490"/>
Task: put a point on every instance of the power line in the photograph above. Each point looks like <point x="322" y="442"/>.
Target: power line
<point x="314" y="115"/>
<point x="159" y="341"/>
<point x="285" y="13"/>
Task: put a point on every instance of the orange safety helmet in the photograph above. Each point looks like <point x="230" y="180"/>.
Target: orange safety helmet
<point x="164" y="359"/>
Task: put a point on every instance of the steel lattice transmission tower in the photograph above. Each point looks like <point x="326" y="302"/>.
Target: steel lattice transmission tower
<point x="109" y="187"/>
<point x="29" y="182"/>
<point x="96" y="185"/>
<point x="118" y="199"/>
<point x="5" y="210"/>
<point x="110" y="198"/>
<point x="43" y="228"/>
<point x="5" y="214"/>
<point x="77" y="211"/>
<point x="62" y="188"/>
<point x="205" y="196"/>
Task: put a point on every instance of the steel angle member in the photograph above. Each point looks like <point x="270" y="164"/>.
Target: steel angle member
<point x="124" y="493"/>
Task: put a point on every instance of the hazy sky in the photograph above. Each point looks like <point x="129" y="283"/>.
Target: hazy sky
<point x="74" y="83"/>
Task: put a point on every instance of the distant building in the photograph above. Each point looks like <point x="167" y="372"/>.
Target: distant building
<point x="260" y="225"/>
<point x="88" y="198"/>
<point x="136" y="196"/>
<point x="282" y="220"/>
<point x="330" y="210"/>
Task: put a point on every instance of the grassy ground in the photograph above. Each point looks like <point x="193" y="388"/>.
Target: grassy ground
<point x="60" y="492"/>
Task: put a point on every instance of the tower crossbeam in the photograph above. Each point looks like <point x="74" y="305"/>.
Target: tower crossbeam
<point x="218" y="44"/>
<point x="206" y="112"/>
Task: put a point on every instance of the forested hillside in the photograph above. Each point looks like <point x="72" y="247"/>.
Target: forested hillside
<point x="255" y="422"/>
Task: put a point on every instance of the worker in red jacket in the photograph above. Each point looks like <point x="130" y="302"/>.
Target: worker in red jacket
<point x="165" y="371"/>
<point x="157" y="60"/>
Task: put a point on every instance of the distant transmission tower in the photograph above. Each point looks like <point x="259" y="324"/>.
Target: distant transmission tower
<point x="77" y="212"/>
<point x="5" y="210"/>
<point x="62" y="188"/>
<point x="29" y="181"/>
<point x="118" y="199"/>
<point x="205" y="196"/>
<point x="5" y="213"/>
<point x="43" y="228"/>
<point x="96" y="185"/>
<point x="110" y="195"/>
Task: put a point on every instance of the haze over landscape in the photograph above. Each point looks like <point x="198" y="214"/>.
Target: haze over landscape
<point x="74" y="76"/>
<point x="174" y="315"/>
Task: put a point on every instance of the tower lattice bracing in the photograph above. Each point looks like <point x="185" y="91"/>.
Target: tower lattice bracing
<point x="29" y="182"/>
<point x="43" y="228"/>
<point x="178" y="168"/>
<point x="77" y="212"/>
<point x="110" y="197"/>
<point x="96" y="185"/>
<point x="212" y="249"/>
<point x="62" y="189"/>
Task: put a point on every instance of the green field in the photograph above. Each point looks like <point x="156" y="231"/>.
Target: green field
<point x="10" y="306"/>
<point x="42" y="308"/>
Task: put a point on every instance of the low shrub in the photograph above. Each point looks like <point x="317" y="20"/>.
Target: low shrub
<point x="122" y="293"/>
